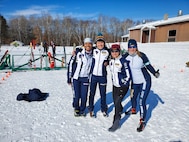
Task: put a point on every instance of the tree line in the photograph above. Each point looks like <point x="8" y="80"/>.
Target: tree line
<point x="63" y="31"/>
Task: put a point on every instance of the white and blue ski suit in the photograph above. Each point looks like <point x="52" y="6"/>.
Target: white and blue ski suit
<point x="81" y="79"/>
<point x="72" y="66"/>
<point x="121" y="76"/>
<point x="141" y="80"/>
<point x="99" y="75"/>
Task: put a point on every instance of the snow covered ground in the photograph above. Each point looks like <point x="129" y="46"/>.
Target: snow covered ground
<point x="53" y="120"/>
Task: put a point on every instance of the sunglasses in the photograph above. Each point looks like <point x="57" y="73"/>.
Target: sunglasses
<point x="132" y="46"/>
<point x="114" y="50"/>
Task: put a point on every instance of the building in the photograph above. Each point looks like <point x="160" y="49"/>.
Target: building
<point x="16" y="43"/>
<point x="167" y="30"/>
<point x="125" y="38"/>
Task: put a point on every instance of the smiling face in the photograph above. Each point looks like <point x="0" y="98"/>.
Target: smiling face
<point x="115" y="53"/>
<point x="132" y="50"/>
<point x="100" y="44"/>
<point x="88" y="46"/>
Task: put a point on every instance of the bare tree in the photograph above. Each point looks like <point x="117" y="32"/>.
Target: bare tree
<point x="115" y="29"/>
<point x="57" y="31"/>
<point x="125" y="25"/>
<point x="67" y="30"/>
<point x="46" y="26"/>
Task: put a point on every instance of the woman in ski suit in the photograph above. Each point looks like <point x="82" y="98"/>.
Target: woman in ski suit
<point x="141" y="80"/>
<point x="99" y="75"/>
<point x="81" y="75"/>
<point x="121" y="75"/>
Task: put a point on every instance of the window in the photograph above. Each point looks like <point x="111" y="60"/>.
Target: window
<point x="171" y="39"/>
<point x="172" y="36"/>
<point x="172" y="33"/>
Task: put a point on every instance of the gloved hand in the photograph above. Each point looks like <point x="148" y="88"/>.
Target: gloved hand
<point x="105" y="63"/>
<point x="124" y="81"/>
<point x="157" y="74"/>
<point x="69" y="81"/>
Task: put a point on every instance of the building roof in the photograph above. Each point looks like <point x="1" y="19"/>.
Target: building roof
<point x="17" y="43"/>
<point x="152" y="25"/>
<point x="127" y="35"/>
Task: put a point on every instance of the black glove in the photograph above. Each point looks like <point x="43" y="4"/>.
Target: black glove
<point x="157" y="74"/>
<point x="69" y="78"/>
<point x="69" y="81"/>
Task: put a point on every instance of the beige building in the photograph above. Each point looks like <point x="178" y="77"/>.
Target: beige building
<point x="167" y="30"/>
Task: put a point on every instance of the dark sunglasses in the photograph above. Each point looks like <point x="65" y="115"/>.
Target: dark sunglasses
<point x="132" y="46"/>
<point x="114" y="50"/>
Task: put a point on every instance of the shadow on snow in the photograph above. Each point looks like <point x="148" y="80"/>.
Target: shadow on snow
<point x="152" y="101"/>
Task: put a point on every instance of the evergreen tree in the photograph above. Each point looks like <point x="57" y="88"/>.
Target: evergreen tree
<point x="3" y="31"/>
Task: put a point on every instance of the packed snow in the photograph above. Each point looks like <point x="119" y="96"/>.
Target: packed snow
<point x="53" y="120"/>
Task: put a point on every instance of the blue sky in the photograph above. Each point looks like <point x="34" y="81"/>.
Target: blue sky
<point x="89" y="9"/>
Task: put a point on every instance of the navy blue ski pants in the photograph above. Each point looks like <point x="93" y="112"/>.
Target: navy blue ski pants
<point x="102" y="82"/>
<point x="81" y="90"/>
<point x="142" y="90"/>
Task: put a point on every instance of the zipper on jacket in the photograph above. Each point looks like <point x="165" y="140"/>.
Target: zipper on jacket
<point x="98" y="62"/>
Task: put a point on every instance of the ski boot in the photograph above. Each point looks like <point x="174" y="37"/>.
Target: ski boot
<point x="141" y="125"/>
<point x="115" y="126"/>
<point x="131" y="111"/>
<point x="76" y="113"/>
<point x="105" y="114"/>
<point x="83" y="114"/>
<point x="91" y="113"/>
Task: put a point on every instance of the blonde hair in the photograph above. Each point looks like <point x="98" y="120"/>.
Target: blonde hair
<point x="138" y="53"/>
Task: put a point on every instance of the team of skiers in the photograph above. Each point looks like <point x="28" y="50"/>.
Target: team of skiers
<point x="87" y="68"/>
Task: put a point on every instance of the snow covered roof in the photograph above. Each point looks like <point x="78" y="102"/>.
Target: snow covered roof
<point x="152" y="25"/>
<point x="127" y="35"/>
<point x="148" y="27"/>
<point x="17" y="43"/>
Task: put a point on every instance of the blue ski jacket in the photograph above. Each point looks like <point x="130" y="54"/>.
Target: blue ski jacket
<point x="84" y="61"/>
<point x="120" y="71"/>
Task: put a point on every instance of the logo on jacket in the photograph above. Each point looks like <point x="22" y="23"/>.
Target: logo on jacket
<point x="117" y="64"/>
<point x="104" y="52"/>
<point x="125" y="64"/>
